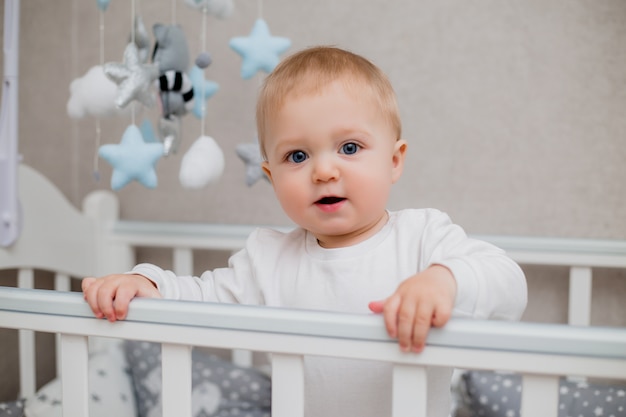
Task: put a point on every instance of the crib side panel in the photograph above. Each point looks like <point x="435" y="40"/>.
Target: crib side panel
<point x="549" y="351"/>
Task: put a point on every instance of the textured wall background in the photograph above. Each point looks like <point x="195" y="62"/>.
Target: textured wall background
<point x="515" y="111"/>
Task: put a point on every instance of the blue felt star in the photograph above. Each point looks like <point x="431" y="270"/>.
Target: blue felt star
<point x="259" y="50"/>
<point x="103" y="4"/>
<point x="132" y="159"/>
<point x="202" y="90"/>
<point x="147" y="132"/>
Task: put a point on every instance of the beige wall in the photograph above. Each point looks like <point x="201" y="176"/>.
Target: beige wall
<point x="515" y="111"/>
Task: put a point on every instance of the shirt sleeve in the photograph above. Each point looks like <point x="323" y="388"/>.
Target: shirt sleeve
<point x="490" y="285"/>
<point x="234" y="284"/>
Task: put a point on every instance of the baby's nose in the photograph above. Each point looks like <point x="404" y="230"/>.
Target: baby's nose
<point x="324" y="169"/>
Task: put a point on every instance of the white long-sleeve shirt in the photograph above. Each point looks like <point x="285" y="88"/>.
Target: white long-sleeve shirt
<point x="292" y="270"/>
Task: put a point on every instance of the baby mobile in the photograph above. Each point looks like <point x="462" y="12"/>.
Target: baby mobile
<point x="164" y="77"/>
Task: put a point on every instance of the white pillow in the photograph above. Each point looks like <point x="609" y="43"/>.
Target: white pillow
<point x="110" y="387"/>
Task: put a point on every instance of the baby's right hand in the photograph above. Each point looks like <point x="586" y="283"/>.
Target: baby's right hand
<point x="109" y="296"/>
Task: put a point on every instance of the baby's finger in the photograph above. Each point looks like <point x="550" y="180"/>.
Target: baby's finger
<point x="390" y="315"/>
<point x="377" y="306"/>
<point x="122" y="300"/>
<point x="406" y="318"/>
<point x="421" y="326"/>
<point x="105" y="297"/>
<point x="86" y="283"/>
<point x="90" y="293"/>
<point x="442" y="315"/>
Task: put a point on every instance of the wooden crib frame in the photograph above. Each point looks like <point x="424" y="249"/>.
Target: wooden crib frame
<point x="59" y="238"/>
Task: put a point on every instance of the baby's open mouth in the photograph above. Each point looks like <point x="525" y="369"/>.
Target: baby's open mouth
<point x="329" y="200"/>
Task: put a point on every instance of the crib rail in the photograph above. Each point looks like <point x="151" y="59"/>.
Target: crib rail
<point x="524" y="249"/>
<point x="541" y="352"/>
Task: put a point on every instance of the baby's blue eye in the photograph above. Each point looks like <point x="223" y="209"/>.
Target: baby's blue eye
<point x="297" y="157"/>
<point x="349" y="148"/>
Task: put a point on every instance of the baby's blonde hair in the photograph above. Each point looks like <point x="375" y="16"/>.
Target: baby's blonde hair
<point x="310" y="70"/>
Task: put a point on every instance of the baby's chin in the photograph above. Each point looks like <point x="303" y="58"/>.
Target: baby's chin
<point x="336" y="236"/>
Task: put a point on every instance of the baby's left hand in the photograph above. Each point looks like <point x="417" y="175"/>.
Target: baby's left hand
<point x="426" y="299"/>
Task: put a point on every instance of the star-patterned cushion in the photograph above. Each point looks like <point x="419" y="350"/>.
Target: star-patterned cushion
<point x="496" y="394"/>
<point x="110" y="389"/>
<point x="12" y="409"/>
<point x="219" y="388"/>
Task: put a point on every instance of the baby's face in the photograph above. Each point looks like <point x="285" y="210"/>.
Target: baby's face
<point x="332" y="158"/>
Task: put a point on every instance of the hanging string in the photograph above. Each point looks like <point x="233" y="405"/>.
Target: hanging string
<point x="205" y="15"/>
<point x="173" y="12"/>
<point x="133" y="13"/>
<point x="259" y="77"/>
<point x="138" y="8"/>
<point x="96" y="159"/>
<point x="75" y="136"/>
<point x="101" y="38"/>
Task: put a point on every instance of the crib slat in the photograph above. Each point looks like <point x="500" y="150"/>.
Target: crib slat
<point x="287" y="385"/>
<point x="176" y="375"/>
<point x="61" y="283"/>
<point x="409" y="393"/>
<point x="28" y="369"/>
<point x="183" y="261"/>
<point x="26" y="340"/>
<point x="242" y="357"/>
<point x="74" y="366"/>
<point x="26" y="278"/>
<point x="239" y="356"/>
<point x="579" y="310"/>
<point x="540" y="395"/>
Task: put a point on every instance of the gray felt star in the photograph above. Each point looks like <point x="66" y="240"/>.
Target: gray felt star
<point x="250" y="154"/>
<point x="134" y="79"/>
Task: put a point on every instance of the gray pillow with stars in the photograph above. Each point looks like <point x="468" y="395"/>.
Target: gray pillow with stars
<point x="219" y="388"/>
<point x="495" y="394"/>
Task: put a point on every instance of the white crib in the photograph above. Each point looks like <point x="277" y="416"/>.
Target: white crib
<point x="59" y="238"/>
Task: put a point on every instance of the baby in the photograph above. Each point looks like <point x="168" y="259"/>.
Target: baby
<point x="330" y="134"/>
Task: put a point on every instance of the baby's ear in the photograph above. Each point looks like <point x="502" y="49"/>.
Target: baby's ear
<point x="399" y="153"/>
<point x="266" y="169"/>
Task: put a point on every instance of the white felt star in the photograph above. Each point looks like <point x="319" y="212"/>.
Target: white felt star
<point x="202" y="90"/>
<point x="132" y="159"/>
<point x="260" y="50"/>
<point x="133" y="78"/>
<point x="250" y="154"/>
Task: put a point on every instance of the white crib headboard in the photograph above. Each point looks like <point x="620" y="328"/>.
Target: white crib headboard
<point x="51" y="221"/>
